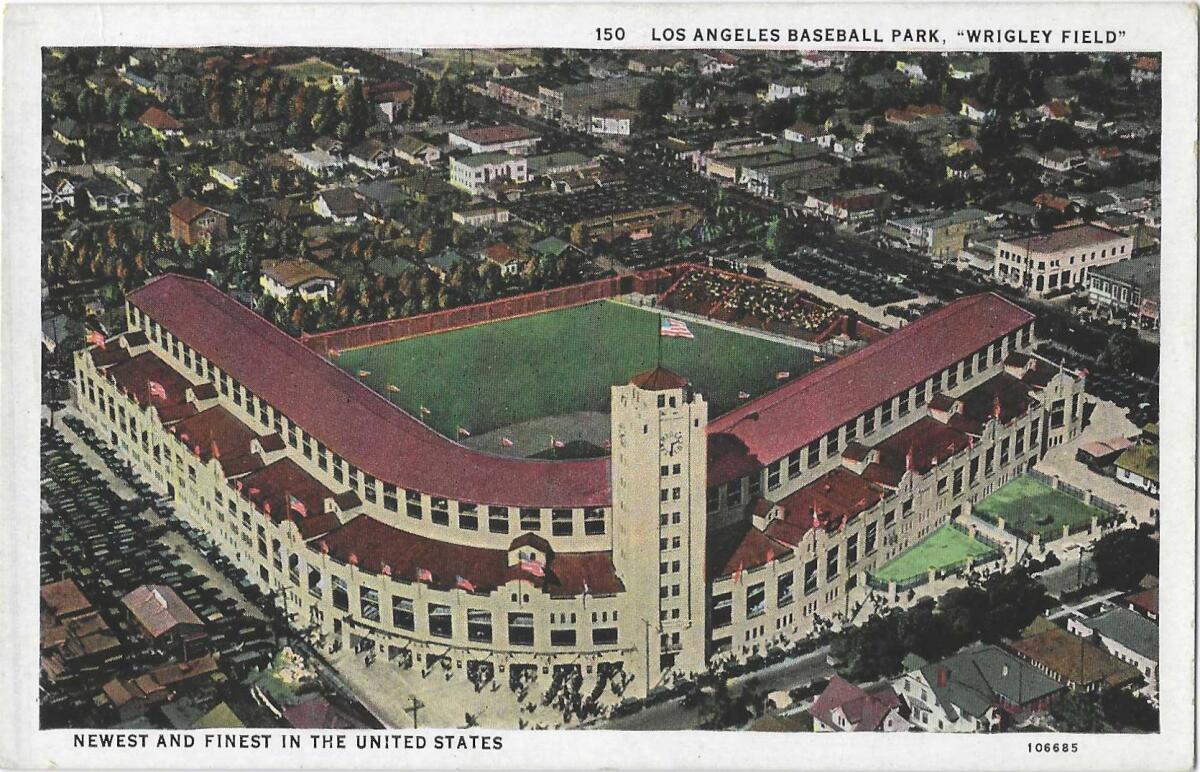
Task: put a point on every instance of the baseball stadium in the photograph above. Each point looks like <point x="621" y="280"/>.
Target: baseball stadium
<point x="621" y="480"/>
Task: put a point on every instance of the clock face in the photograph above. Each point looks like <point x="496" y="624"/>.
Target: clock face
<point x="670" y="443"/>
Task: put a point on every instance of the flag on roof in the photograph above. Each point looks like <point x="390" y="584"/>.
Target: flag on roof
<point x="737" y="573"/>
<point x="506" y="442"/>
<point x="464" y="584"/>
<point x="297" y="504"/>
<point x="423" y="575"/>
<point x="674" y="328"/>
<point x="770" y="555"/>
<point x="783" y="375"/>
<point x="96" y="338"/>
<point x="386" y="570"/>
<point x="216" y="450"/>
<point x="156" y="389"/>
<point x="743" y="395"/>
<point x="586" y="590"/>
<point x="534" y="567"/>
<point x="463" y="432"/>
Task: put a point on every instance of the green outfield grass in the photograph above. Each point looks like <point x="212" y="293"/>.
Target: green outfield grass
<point x="501" y="373"/>
<point x="1035" y="508"/>
<point x="947" y="547"/>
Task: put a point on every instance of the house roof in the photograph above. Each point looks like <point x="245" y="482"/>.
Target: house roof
<point x="187" y="209"/>
<point x="1071" y="237"/>
<point x="158" y="609"/>
<point x="1142" y="460"/>
<point x="157" y="118"/>
<point x="293" y="273"/>
<point x="341" y="201"/>
<point x="491" y="135"/>
<point x="501" y="254"/>
<point x="317" y="712"/>
<point x="1129" y="629"/>
<point x="64" y="598"/>
<point x="1145" y="600"/>
<point x="1073" y="659"/>
<point x="864" y="710"/>
<point x="978" y="675"/>
<point x="365" y="428"/>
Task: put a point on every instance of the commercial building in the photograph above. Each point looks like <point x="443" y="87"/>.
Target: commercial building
<point x="374" y="528"/>
<point x="474" y="173"/>
<point x="938" y="235"/>
<point x="495" y="139"/>
<point x="1128" y="636"/>
<point x="1060" y="260"/>
<point x="1129" y="288"/>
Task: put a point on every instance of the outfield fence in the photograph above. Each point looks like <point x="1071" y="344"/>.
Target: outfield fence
<point x="647" y="282"/>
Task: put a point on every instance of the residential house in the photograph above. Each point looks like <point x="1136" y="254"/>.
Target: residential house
<point x="980" y="689"/>
<point x="493" y="139"/>
<point x="509" y="259"/>
<point x="816" y="60"/>
<point x="444" y="262"/>
<point x="372" y="155"/>
<point x="282" y="279"/>
<point x="1144" y="601"/>
<point x="161" y="124"/>
<point x="164" y="618"/>
<point x="786" y="87"/>
<point x="59" y="191"/>
<point x="1073" y="660"/>
<point x="976" y="111"/>
<point x="1061" y="160"/>
<point x="389" y="97"/>
<point x="506" y="70"/>
<point x="912" y="69"/>
<point x="416" y="151"/>
<point x="846" y="707"/>
<point x="474" y="173"/>
<point x="230" y="174"/>
<point x="1145" y="70"/>
<point x="192" y="222"/>
<point x="1127" y="635"/>
<point x="339" y="205"/>
<point x="802" y="132"/>
<point x="1055" y="110"/>
<point x="1137" y="467"/>
<point x="68" y="131"/>
<point x="317" y="162"/>
<point x="106" y="195"/>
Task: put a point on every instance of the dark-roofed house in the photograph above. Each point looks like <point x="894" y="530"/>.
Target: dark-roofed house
<point x="1128" y="288"/>
<point x="1074" y="660"/>
<point x="339" y="205"/>
<point x="980" y="689"/>
<point x="1129" y="636"/>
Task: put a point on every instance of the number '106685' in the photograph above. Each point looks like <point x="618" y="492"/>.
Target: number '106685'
<point x="1053" y="747"/>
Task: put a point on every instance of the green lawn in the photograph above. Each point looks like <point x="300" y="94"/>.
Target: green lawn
<point x="1035" y="508"/>
<point x="497" y="374"/>
<point x="947" y="547"/>
<point x="319" y="70"/>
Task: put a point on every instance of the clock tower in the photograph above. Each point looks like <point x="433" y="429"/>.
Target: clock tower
<point x="659" y="474"/>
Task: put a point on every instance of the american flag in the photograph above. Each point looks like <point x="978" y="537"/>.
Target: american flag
<point x="743" y="395"/>
<point x="297" y="504"/>
<point x="96" y="338"/>
<point x="557" y="443"/>
<point x="386" y="570"/>
<point x="506" y="442"/>
<point x="782" y="375"/>
<point x="674" y="328"/>
<point x="463" y="432"/>
<point x="423" y="575"/>
<point x="534" y="567"/>
<point x="737" y="574"/>
<point x="156" y="389"/>
<point x="464" y="584"/>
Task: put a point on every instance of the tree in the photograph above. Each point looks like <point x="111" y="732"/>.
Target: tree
<point x="1077" y="712"/>
<point x="1122" y="558"/>
<point x="655" y="99"/>
<point x="1125" y="710"/>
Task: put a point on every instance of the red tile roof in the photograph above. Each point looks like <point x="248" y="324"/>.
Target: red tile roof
<point x="836" y="495"/>
<point x="489" y="135"/>
<point x="158" y="609"/>
<point x="928" y="441"/>
<point x="752" y="549"/>
<point x="133" y="376"/>
<point x="358" y="424"/>
<point x="156" y="118"/>
<point x="375" y="544"/>
<point x="865" y="711"/>
<point x="187" y="209"/>
<point x="268" y="490"/>
<point x="215" y="431"/>
<point x="807" y="408"/>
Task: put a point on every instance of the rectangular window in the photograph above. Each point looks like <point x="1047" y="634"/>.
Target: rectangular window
<point x="905" y="400"/>
<point x="756" y="600"/>
<point x="773" y="475"/>
<point x="531" y="519"/>
<point x="441" y="624"/>
<point x="974" y="470"/>
<point x="831" y="563"/>
<point x="868" y="423"/>
<point x="520" y="628"/>
<point x="851" y="430"/>
<point x="341" y="598"/>
<point x="593" y="521"/>
<point x="831" y="443"/>
<point x="479" y="625"/>
<point x="402" y="613"/>
<point x="852" y="550"/>
<point x="814" y="454"/>
<point x="722" y="610"/>
<point x="562" y="522"/>
<point x="562" y="637"/>
<point x="315" y="585"/>
<point x="783" y="588"/>
<point x="869" y="541"/>
<point x="604" y="636"/>
<point x="733" y="493"/>
<point x="794" y="464"/>
<point x="810" y="576"/>
<point x="468" y="520"/>
<point x="368" y="600"/>
<point x="886" y="413"/>
<point x="958" y="481"/>
<point x="498" y="519"/>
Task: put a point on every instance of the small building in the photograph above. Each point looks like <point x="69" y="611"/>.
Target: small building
<point x="372" y="155"/>
<point x="1129" y="636"/>
<point x="230" y="174"/>
<point x="938" y="235"/>
<point x="162" y="124"/>
<point x="846" y="707"/>
<point x="317" y="162"/>
<point x="105" y="195"/>
<point x="1074" y="660"/>
<point x="1060" y="160"/>
<point x="480" y="215"/>
<point x="1145" y="70"/>
<point x="974" y="110"/>
<point x="503" y="255"/>
<point x="474" y="173"/>
<point x="493" y="139"/>
<point x="283" y="278"/>
<point x="617" y="122"/>
<point x="339" y="205"/>
<point x="1059" y="260"/>
<point x="163" y="617"/>
<point x="1137" y="467"/>
<point x="193" y="222"/>
<point x="1128" y="288"/>
<point x="416" y="151"/>
<point x="68" y="131"/>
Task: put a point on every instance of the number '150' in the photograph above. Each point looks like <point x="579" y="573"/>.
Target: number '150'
<point x="610" y="33"/>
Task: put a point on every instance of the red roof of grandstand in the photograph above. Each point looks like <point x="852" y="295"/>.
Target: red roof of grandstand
<point x="489" y="135"/>
<point x="928" y="441"/>
<point x="375" y="544"/>
<point x="358" y="424"/>
<point x="269" y="489"/>
<point x="807" y="408"/>
<point x="836" y="495"/>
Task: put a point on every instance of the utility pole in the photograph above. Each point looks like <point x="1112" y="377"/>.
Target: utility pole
<point x="416" y="706"/>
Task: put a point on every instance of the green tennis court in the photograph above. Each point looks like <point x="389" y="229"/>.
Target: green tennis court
<point x="947" y="547"/>
<point x="560" y="362"/>
<point x="1032" y="506"/>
